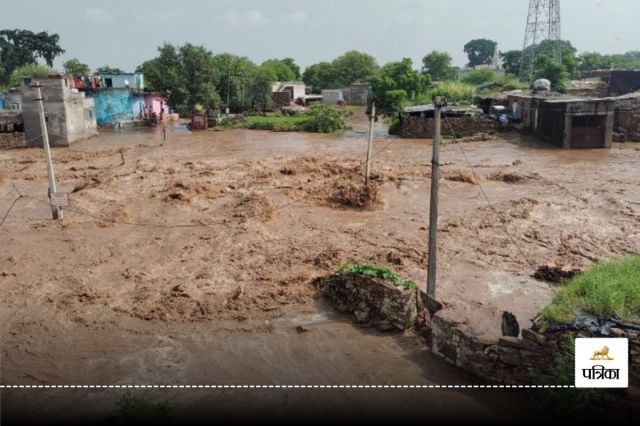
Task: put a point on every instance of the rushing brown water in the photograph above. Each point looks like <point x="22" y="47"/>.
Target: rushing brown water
<point x="190" y="261"/>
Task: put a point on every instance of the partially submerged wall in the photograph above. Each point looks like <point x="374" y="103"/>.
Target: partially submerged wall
<point x="418" y="126"/>
<point x="627" y="119"/>
<point x="518" y="361"/>
<point x="373" y="301"/>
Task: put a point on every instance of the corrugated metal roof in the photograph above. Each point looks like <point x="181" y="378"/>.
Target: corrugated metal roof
<point x="419" y="108"/>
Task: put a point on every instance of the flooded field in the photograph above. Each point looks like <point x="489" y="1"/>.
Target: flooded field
<point x="189" y="260"/>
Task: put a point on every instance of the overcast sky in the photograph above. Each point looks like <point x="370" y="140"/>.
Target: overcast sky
<point x="125" y="33"/>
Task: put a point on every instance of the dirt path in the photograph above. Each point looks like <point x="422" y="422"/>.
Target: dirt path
<point x="215" y="236"/>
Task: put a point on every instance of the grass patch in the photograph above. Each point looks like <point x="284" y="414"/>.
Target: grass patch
<point x="379" y="272"/>
<point x="607" y="290"/>
<point x="277" y="123"/>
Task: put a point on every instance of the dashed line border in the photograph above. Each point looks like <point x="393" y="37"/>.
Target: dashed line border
<point x="287" y="386"/>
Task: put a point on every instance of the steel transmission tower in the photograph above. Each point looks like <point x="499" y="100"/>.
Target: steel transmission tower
<point x="543" y="23"/>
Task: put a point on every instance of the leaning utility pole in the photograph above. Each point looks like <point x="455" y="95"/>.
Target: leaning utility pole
<point x="372" y="118"/>
<point x="55" y="210"/>
<point x="438" y="103"/>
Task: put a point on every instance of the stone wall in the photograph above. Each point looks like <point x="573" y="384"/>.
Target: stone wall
<point x="418" y="126"/>
<point x="518" y="361"/>
<point x="627" y="119"/>
<point x="372" y="301"/>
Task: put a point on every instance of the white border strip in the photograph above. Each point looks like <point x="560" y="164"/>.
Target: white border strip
<point x="287" y="386"/>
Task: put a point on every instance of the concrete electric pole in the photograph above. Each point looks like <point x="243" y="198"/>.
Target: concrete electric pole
<point x="372" y="118"/>
<point x="55" y="210"/>
<point x="438" y="104"/>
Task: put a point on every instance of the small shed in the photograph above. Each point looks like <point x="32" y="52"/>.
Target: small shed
<point x="332" y="96"/>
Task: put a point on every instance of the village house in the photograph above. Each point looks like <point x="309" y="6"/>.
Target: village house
<point x="285" y="92"/>
<point x="70" y="116"/>
<point x="564" y="120"/>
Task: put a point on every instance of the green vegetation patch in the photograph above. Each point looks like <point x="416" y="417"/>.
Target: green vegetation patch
<point x="277" y="123"/>
<point x="318" y="118"/>
<point x="379" y="272"/>
<point x="453" y="91"/>
<point x="607" y="290"/>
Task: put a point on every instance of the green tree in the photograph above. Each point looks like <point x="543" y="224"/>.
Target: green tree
<point x="106" y="69"/>
<point x="234" y="72"/>
<point x="438" y="66"/>
<point x="396" y="76"/>
<point x="511" y="61"/>
<point x="23" y="47"/>
<point x="353" y="67"/>
<point x="259" y="88"/>
<point x="163" y="74"/>
<point x="480" y="51"/>
<point x="320" y="75"/>
<point x="282" y="69"/>
<point x="75" y="67"/>
<point x="185" y="75"/>
<point x="29" y="71"/>
<point x="552" y="70"/>
<point x="549" y="48"/>
<point x="588" y="61"/>
<point x="481" y="76"/>
<point x="199" y="77"/>
<point x="294" y="67"/>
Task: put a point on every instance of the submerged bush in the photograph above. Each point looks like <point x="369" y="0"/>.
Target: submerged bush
<point x="324" y="119"/>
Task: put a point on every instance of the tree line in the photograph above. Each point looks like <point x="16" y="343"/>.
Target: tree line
<point x="189" y="74"/>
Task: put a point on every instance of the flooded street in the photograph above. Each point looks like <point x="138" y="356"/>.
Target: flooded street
<point x="190" y="260"/>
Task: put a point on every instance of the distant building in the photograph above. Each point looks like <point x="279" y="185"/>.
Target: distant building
<point x="70" y="115"/>
<point x="12" y="100"/>
<point x="295" y="89"/>
<point x="616" y="82"/>
<point x="565" y="121"/>
<point x="356" y="94"/>
<point x="332" y="96"/>
<point x="119" y="81"/>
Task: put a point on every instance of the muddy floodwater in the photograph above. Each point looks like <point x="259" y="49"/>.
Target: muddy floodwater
<point x="190" y="260"/>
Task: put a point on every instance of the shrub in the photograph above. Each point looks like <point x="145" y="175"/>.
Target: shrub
<point x="479" y="77"/>
<point x="276" y="123"/>
<point x="607" y="290"/>
<point x="453" y="92"/>
<point x="324" y="119"/>
<point x="30" y="70"/>
<point x="379" y="272"/>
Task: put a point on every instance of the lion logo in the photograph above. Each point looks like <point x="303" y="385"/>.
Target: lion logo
<point x="602" y="354"/>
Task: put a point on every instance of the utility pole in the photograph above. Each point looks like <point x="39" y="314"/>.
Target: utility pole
<point x="372" y="118"/>
<point x="55" y="210"/>
<point x="438" y="103"/>
<point x="228" y="94"/>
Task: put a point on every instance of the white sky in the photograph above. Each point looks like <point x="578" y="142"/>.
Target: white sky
<point x="125" y="33"/>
